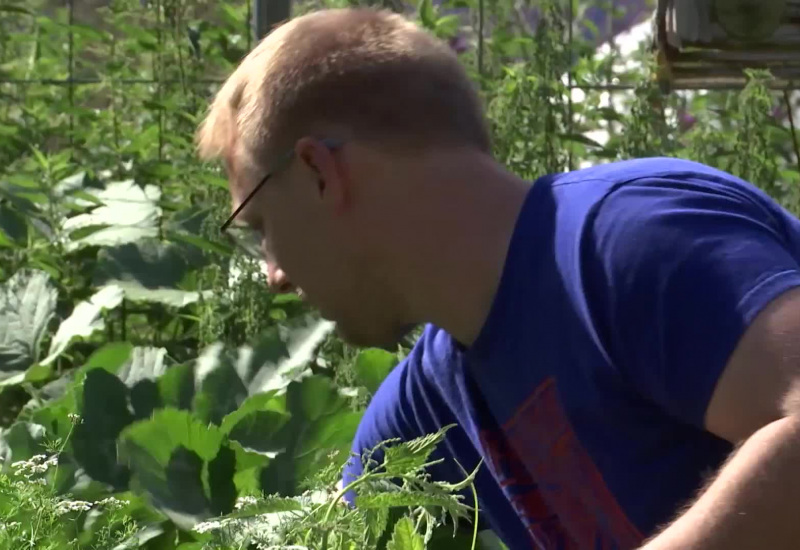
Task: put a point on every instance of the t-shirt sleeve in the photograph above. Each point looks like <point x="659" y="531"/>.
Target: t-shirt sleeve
<point x="674" y="272"/>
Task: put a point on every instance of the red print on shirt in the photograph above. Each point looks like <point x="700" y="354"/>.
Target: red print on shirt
<point x="552" y="482"/>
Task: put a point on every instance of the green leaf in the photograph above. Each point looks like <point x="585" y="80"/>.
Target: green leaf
<point x="257" y="423"/>
<point x="220" y="481"/>
<point x="331" y="432"/>
<point x="427" y="14"/>
<point x="377" y="520"/>
<point x="86" y="319"/>
<point x="372" y="366"/>
<point x="21" y="441"/>
<point x="13" y="227"/>
<point x="145" y="363"/>
<point x="249" y="465"/>
<point x="316" y="395"/>
<point x="219" y="390"/>
<point x="118" y="386"/>
<point x="112" y="357"/>
<point x="135" y="292"/>
<point x="140" y="374"/>
<point x="448" y="25"/>
<point x="409" y="499"/>
<point x="16" y="9"/>
<point x="104" y="413"/>
<point x="150" y="270"/>
<point x="269" y="505"/>
<point x="130" y="213"/>
<point x="176" y="386"/>
<point x="409" y="456"/>
<point x="27" y="304"/>
<point x="405" y="537"/>
<point x="69" y="184"/>
<point x="168" y="429"/>
<point x="282" y="356"/>
<point x="150" y="263"/>
<point x="200" y="242"/>
<point x="169" y="456"/>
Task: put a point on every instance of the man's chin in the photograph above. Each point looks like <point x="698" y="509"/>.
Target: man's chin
<point x="388" y="340"/>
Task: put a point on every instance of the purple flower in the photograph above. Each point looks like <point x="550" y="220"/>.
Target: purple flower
<point x="685" y="120"/>
<point x="459" y="44"/>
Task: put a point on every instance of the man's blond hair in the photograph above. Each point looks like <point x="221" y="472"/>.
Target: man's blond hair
<point x="370" y="74"/>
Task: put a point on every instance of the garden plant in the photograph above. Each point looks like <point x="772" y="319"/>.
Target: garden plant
<point x="153" y="393"/>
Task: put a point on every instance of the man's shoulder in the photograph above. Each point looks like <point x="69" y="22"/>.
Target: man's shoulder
<point x="392" y="411"/>
<point x="625" y="171"/>
<point x="407" y="404"/>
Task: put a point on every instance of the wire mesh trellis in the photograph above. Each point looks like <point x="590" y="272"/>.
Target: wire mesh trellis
<point x="261" y="15"/>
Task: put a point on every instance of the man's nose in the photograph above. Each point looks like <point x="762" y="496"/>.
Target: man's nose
<point x="277" y="279"/>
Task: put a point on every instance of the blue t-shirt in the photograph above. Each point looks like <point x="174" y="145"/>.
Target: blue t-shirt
<point x="625" y="289"/>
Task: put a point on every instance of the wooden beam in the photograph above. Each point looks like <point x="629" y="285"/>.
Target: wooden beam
<point x="269" y="13"/>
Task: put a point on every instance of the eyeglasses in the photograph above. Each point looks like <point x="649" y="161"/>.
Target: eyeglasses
<point x="282" y="164"/>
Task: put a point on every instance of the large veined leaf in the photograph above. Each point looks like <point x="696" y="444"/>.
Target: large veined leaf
<point x="174" y="297"/>
<point x="146" y="363"/>
<point x="128" y="213"/>
<point x="27" y="303"/>
<point x="84" y="321"/>
<point x="223" y="380"/>
<point x="140" y="374"/>
<point x="257" y="424"/>
<point x="114" y="394"/>
<point x="321" y="429"/>
<point x="300" y="342"/>
<point x="372" y="366"/>
<point x="105" y="412"/>
<point x="182" y="463"/>
<point x="20" y="442"/>
<point x="54" y="415"/>
<point x="218" y="388"/>
<point x="150" y="270"/>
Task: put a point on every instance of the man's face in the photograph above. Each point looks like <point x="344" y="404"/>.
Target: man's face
<point x="313" y="240"/>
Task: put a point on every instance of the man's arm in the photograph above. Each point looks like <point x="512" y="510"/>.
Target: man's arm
<point x="697" y="292"/>
<point x="754" y="500"/>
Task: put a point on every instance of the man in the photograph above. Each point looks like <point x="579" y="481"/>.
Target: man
<point x="618" y="344"/>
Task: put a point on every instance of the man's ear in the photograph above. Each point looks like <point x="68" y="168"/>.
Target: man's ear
<point x="327" y="170"/>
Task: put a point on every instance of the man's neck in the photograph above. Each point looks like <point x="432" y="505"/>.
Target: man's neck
<point x="451" y="241"/>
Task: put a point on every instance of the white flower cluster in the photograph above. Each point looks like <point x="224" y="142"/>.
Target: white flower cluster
<point x="66" y="506"/>
<point x="112" y="503"/>
<point x="243" y="502"/>
<point x="36" y="465"/>
<point x="109" y="503"/>
<point x="215" y="525"/>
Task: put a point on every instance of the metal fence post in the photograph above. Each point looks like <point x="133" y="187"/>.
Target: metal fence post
<point x="267" y="14"/>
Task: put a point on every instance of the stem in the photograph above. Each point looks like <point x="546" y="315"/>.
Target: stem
<point x="176" y="36"/>
<point x="475" y="508"/>
<point x="340" y="494"/>
<point x="71" y="69"/>
<point x="475" y="526"/>
<point x="791" y="125"/>
<point x="480" y="37"/>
